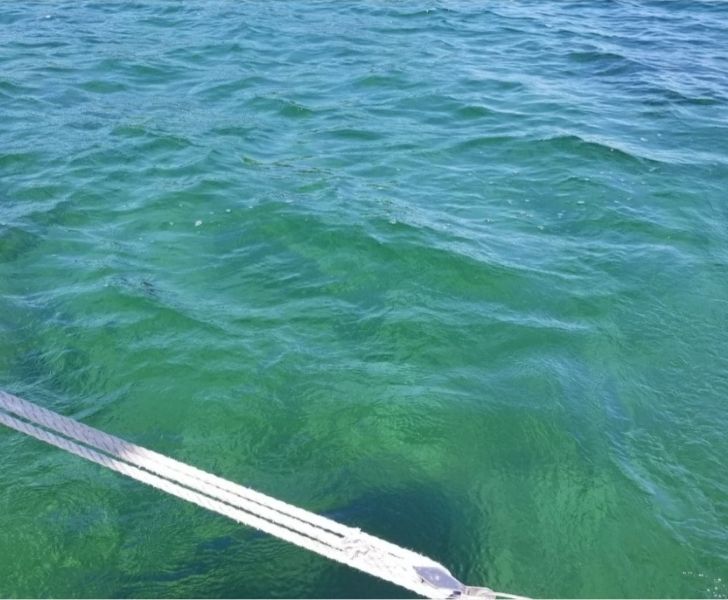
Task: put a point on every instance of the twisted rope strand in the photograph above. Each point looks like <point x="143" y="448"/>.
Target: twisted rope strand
<point x="307" y="530"/>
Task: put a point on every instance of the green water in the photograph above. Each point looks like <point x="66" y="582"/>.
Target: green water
<point x="454" y="274"/>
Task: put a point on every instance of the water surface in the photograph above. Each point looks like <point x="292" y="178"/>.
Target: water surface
<point x="455" y="273"/>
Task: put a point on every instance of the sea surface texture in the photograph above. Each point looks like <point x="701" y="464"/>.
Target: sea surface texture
<point x="452" y="272"/>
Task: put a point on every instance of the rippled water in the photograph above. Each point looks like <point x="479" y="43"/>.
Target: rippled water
<point x="453" y="272"/>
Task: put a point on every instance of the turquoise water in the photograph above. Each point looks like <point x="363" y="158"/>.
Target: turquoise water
<point x="454" y="274"/>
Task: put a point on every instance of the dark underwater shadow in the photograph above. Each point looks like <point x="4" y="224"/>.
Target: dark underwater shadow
<point x="419" y="517"/>
<point x="247" y="564"/>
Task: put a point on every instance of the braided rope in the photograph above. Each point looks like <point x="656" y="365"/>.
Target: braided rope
<point x="313" y="532"/>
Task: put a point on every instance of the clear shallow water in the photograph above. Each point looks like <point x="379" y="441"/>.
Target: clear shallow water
<point x="461" y="279"/>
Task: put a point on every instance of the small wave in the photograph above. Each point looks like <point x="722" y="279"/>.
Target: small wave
<point x="362" y="135"/>
<point x="568" y="144"/>
<point x="232" y="89"/>
<point x="19" y="159"/>
<point x="473" y="111"/>
<point x="488" y="141"/>
<point x="16" y="242"/>
<point x="578" y="146"/>
<point x="665" y="96"/>
<point x="102" y="86"/>
<point x="13" y="89"/>
<point x="282" y="106"/>
<point x="605" y="63"/>
<point x="391" y="80"/>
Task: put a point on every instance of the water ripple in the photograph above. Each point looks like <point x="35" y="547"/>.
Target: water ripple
<point x="437" y="263"/>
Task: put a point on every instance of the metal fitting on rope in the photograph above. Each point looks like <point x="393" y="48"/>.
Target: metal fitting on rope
<point x="442" y="580"/>
<point x="443" y="584"/>
<point x="470" y="591"/>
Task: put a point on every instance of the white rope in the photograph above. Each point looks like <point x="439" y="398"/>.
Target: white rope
<point x="313" y="532"/>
